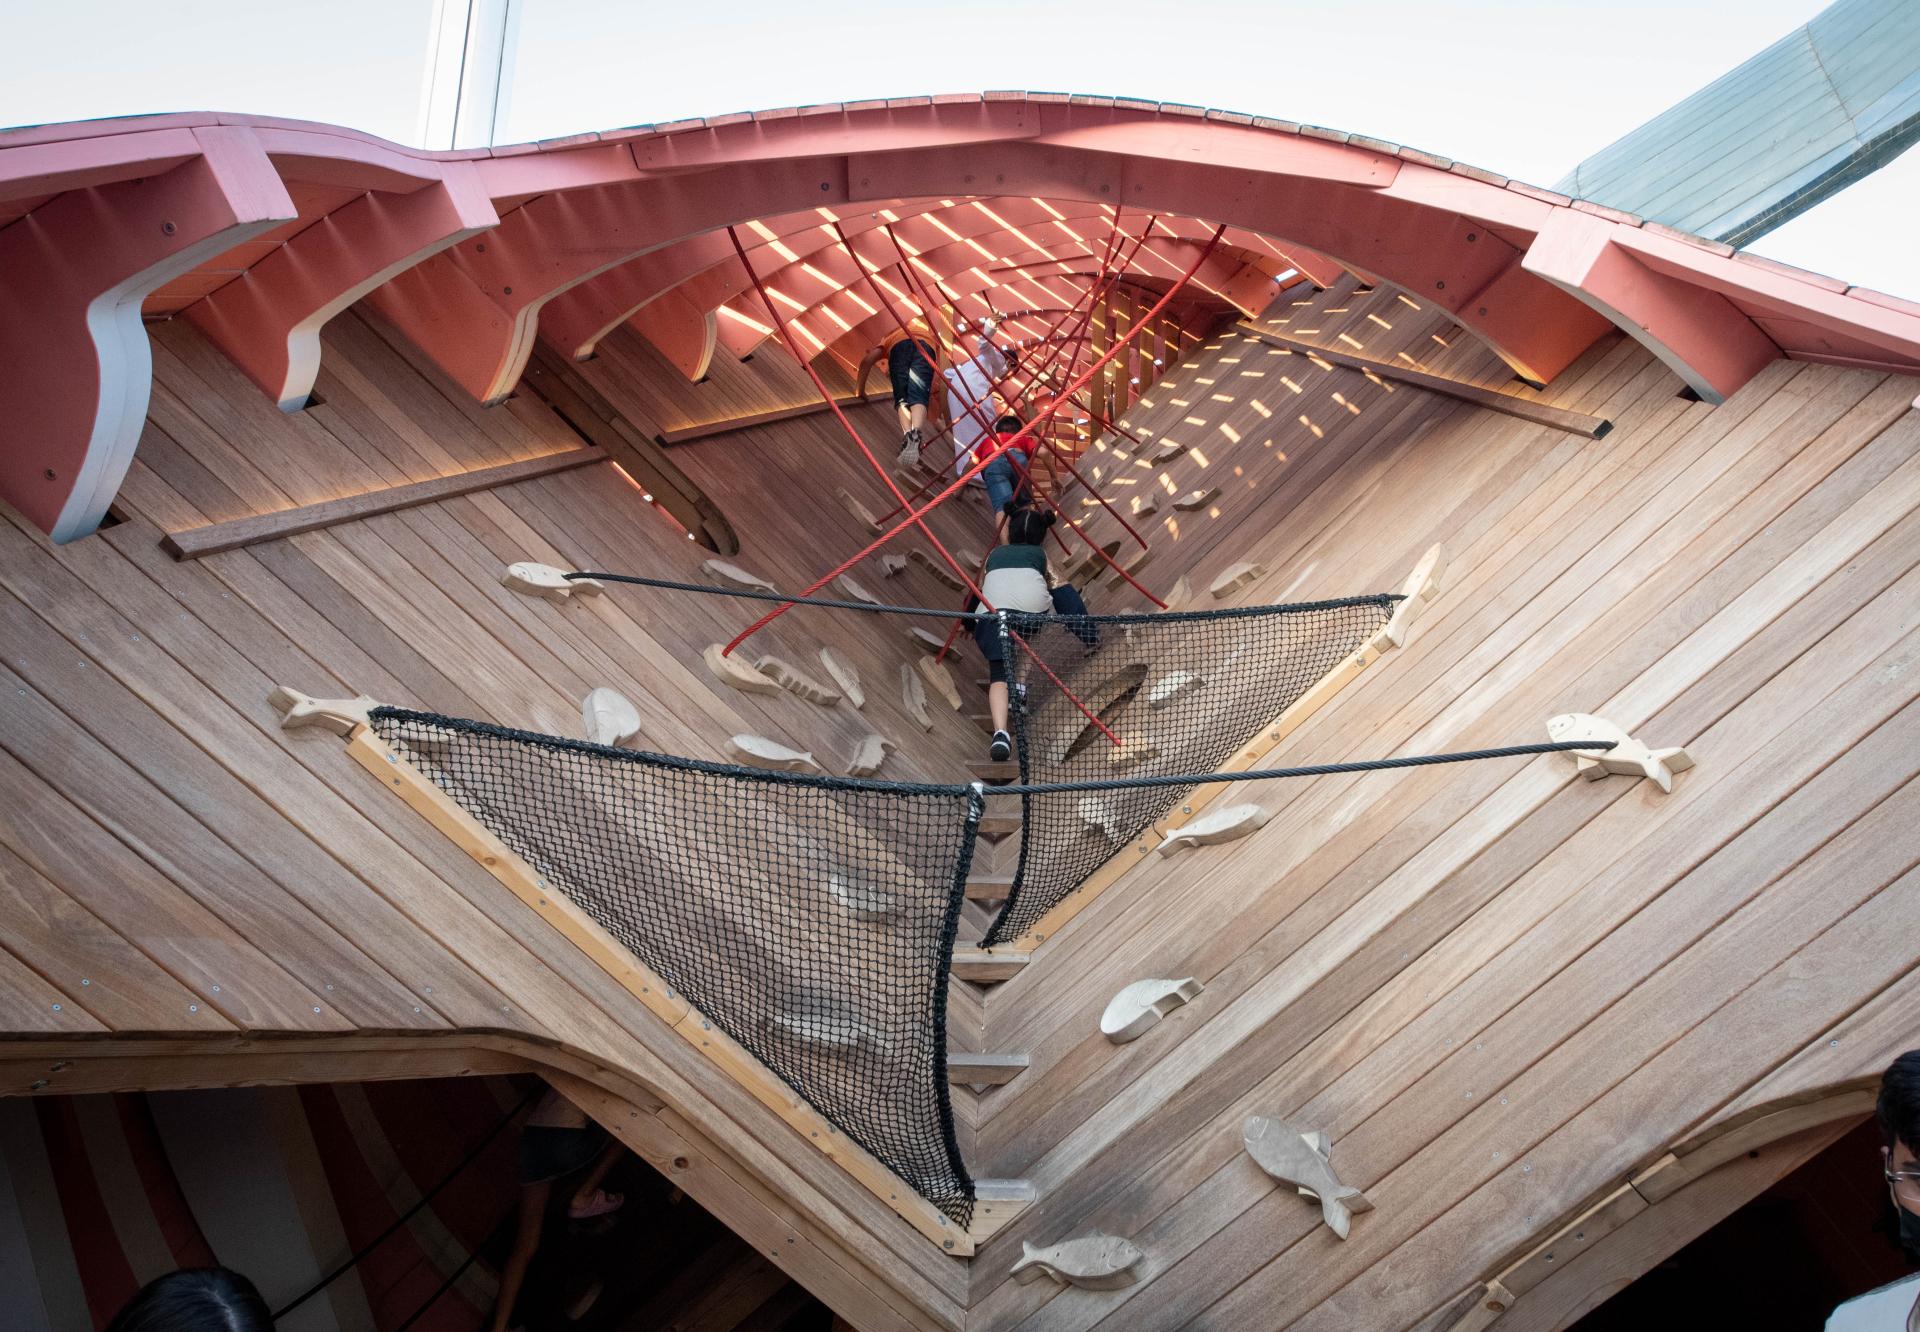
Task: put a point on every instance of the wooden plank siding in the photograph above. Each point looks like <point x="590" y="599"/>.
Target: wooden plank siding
<point x="1500" y="990"/>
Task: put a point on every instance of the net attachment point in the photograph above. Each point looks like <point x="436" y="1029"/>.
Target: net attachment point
<point x="543" y="580"/>
<point x="339" y="715"/>
<point x="1628" y="757"/>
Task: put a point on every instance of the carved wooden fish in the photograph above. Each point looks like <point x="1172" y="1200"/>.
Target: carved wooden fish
<point x="1093" y="1262"/>
<point x="1284" y="1152"/>
<point x="1627" y="756"/>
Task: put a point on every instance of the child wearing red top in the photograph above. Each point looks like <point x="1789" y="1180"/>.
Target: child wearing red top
<point x="1008" y="470"/>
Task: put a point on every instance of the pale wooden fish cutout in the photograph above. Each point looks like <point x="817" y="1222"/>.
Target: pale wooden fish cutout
<point x="1133" y="564"/>
<point x="1422" y="586"/>
<point x="1092" y="1262"/>
<point x="733" y="573"/>
<point x="1628" y="756"/>
<point x="1287" y="1154"/>
<point x="1142" y="1004"/>
<point x="1165" y="452"/>
<point x="936" y="674"/>
<point x="1097" y="816"/>
<point x="543" y="580"/>
<point x="796" y="681"/>
<point x="861" y="513"/>
<point x="760" y="752"/>
<point x="935" y="567"/>
<point x="1218" y="825"/>
<point x="844" y="675"/>
<point x="914" y="695"/>
<point x="1094" y="565"/>
<point x="1234" y="577"/>
<point x="1170" y="687"/>
<point x="1132" y="751"/>
<point x="1147" y="504"/>
<point x="926" y="638"/>
<point x="1181" y="594"/>
<point x="968" y="557"/>
<point x="892" y="566"/>
<point x="851" y="590"/>
<point x="1197" y="499"/>
<point x="609" y="717"/>
<point x="339" y="715"/>
<point x="738" y="672"/>
<point x="868" y="755"/>
<point x="862" y="901"/>
<point x="837" y="1032"/>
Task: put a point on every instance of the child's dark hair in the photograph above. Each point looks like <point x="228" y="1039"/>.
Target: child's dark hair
<point x="1899" y="1107"/>
<point x="200" y="1299"/>
<point x="1027" y="526"/>
<point x="1007" y="425"/>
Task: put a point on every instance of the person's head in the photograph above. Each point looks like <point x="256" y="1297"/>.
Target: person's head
<point x="1027" y="526"/>
<point x="1007" y="425"/>
<point x="1898" y="1111"/>
<point x="195" y="1299"/>
<point x="1013" y="358"/>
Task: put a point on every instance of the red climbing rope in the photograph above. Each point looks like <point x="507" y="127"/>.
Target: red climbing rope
<point x="916" y="515"/>
<point x="916" y="520"/>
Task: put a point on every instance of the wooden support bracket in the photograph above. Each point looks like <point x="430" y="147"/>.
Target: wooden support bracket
<point x="1422" y="586"/>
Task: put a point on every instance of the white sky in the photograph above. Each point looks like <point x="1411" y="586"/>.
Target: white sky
<point x="1524" y="87"/>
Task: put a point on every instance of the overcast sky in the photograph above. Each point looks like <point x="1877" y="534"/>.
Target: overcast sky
<point x="1524" y="87"/>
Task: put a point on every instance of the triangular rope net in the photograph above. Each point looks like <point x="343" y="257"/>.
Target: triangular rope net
<point x="811" y="919"/>
<point x="1181" y="691"/>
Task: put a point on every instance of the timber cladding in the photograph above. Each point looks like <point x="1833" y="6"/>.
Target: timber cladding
<point x="1501" y="992"/>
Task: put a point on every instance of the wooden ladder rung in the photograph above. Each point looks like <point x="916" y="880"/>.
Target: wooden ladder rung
<point x="995" y="1203"/>
<point x="989" y="770"/>
<point x="986" y="967"/>
<point x="993" y="827"/>
<point x="991" y="888"/>
<point x="984" y="1070"/>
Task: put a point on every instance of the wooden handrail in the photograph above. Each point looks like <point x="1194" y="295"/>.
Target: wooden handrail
<point x="1574" y="423"/>
<point x="708" y="429"/>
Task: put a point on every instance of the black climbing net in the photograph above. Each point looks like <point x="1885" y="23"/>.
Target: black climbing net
<point x="1181" y="692"/>
<point x="810" y="919"/>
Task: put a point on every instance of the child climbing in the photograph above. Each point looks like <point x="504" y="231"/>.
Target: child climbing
<point x="1018" y="580"/>
<point x="911" y="358"/>
<point x="972" y="382"/>
<point x="1006" y="477"/>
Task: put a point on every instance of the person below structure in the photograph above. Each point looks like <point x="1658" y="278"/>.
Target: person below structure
<point x="1018" y="580"/>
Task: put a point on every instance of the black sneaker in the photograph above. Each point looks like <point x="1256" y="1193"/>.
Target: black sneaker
<point x="910" y="449"/>
<point x="1002" y="749"/>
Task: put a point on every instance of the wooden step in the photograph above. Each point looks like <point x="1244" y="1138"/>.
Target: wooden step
<point x="984" y="1070"/>
<point x="995" y="826"/>
<point x="990" y="888"/>
<point x="987" y="770"/>
<point x="986" y="967"/>
<point x="995" y="1203"/>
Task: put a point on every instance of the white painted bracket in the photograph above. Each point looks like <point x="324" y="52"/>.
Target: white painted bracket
<point x="339" y="715"/>
<point x="1092" y="1262"/>
<point x="543" y="580"/>
<point x="1628" y="756"/>
<point x="1422" y="586"/>
<point x="1142" y="1004"/>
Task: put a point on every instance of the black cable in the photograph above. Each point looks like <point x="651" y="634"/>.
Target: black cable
<point x="410" y="1213"/>
<point x="559" y="742"/>
<point x="1223" y="613"/>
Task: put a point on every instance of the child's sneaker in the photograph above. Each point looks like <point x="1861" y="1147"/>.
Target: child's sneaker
<point x="1002" y="748"/>
<point x="910" y="449"/>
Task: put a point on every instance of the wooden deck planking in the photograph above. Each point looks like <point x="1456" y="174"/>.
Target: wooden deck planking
<point x="1023" y="993"/>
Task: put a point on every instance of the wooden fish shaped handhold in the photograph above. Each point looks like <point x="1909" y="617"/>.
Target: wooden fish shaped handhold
<point x="737" y="671"/>
<point x="844" y="675"/>
<point x="936" y="674"/>
<point x="1092" y="1262"/>
<point x="1171" y="686"/>
<point x="868" y="755"/>
<point x="796" y="681"/>
<point x="862" y="901"/>
<point x="1142" y="1004"/>
<point x="543" y="580"/>
<point x="761" y="752"/>
<point x="935" y="567"/>
<point x="892" y="566"/>
<point x="1234" y="577"/>
<point x="1628" y="756"/>
<point x="1218" y="825"/>
<point x="609" y="717"/>
<point x="1287" y="1154"/>
<point x="733" y="573"/>
<point x="1197" y="499"/>
<point x="850" y="590"/>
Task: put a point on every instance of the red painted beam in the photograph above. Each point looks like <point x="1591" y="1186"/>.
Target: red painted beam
<point x="76" y="370"/>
